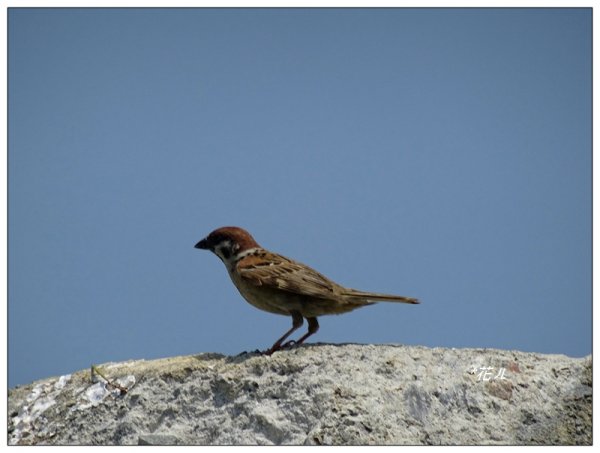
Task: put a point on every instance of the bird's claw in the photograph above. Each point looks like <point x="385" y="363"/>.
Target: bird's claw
<point x="286" y="345"/>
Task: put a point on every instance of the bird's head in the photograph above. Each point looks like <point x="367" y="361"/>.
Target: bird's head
<point x="227" y="242"/>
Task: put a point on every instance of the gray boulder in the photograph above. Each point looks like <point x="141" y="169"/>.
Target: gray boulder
<point x="315" y="394"/>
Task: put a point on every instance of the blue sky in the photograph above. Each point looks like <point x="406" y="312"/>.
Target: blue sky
<point x="443" y="154"/>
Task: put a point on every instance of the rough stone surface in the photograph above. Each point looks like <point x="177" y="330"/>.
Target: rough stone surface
<point x="316" y="394"/>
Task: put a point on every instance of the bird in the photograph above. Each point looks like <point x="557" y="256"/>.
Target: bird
<point x="280" y="285"/>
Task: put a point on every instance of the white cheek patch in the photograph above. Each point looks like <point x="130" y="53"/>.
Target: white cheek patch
<point x="223" y="250"/>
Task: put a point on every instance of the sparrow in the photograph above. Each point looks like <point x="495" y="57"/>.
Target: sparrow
<point x="282" y="286"/>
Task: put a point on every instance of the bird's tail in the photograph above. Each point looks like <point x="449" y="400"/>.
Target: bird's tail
<point x="378" y="297"/>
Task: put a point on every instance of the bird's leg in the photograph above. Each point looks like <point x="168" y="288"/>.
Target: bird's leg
<point x="297" y="322"/>
<point x="313" y="326"/>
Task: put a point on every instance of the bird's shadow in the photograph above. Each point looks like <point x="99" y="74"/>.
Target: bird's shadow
<point x="245" y="355"/>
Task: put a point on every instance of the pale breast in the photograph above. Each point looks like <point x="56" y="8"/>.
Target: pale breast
<point x="264" y="298"/>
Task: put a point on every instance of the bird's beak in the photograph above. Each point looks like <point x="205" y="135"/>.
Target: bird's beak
<point x="203" y="244"/>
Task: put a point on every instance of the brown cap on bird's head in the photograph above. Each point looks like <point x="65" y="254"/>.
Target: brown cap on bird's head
<point x="235" y="235"/>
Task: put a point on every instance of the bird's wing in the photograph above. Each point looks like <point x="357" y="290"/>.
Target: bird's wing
<point x="284" y="274"/>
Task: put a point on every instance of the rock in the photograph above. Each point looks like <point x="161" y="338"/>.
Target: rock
<point x="315" y="394"/>
<point x="158" y="439"/>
